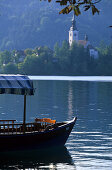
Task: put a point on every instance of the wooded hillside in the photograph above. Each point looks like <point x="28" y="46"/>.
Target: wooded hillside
<point x="31" y="23"/>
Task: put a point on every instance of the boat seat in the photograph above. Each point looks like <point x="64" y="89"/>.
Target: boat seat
<point x="45" y="120"/>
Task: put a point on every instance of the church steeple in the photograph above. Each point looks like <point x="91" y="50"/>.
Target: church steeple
<point x="74" y="23"/>
<point x="73" y="32"/>
<point x="86" y="37"/>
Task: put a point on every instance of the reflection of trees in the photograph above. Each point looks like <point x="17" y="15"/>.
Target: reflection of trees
<point x="80" y="92"/>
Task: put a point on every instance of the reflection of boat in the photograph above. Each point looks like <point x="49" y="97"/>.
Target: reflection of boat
<point x="41" y="133"/>
<point x="36" y="159"/>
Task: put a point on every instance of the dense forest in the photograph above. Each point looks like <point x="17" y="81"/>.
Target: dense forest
<point x="32" y="23"/>
<point x="64" y="60"/>
<point x="34" y="39"/>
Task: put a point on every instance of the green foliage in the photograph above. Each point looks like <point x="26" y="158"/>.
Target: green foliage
<point x="5" y="57"/>
<point x="27" y="24"/>
<point x="10" y="68"/>
<point x="56" y="50"/>
<point x="79" y="59"/>
<point x="64" y="60"/>
<point x="31" y="65"/>
<point x="75" y="5"/>
<point x="28" y="51"/>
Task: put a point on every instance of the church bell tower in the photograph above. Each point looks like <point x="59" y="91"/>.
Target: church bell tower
<point x="73" y="32"/>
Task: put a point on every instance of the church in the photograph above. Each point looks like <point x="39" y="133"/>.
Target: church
<point x="74" y="36"/>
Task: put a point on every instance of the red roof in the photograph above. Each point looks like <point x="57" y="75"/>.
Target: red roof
<point x="82" y="42"/>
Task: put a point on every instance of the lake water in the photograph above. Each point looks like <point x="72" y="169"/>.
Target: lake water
<point x="90" y="143"/>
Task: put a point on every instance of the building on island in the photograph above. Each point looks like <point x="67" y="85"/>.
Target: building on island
<point x="74" y="36"/>
<point x="73" y="32"/>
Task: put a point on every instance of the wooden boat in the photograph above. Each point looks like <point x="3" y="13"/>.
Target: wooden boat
<point x="42" y="133"/>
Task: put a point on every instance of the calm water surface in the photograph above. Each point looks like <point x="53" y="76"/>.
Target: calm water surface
<point x="90" y="143"/>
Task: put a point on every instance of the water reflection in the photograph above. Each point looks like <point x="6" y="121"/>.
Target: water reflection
<point x="90" y="143"/>
<point x="43" y="159"/>
<point x="70" y="100"/>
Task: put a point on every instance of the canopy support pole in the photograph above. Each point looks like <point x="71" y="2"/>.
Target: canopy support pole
<point x="24" y="116"/>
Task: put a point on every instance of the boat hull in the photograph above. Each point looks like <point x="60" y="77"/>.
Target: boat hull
<point x="37" y="140"/>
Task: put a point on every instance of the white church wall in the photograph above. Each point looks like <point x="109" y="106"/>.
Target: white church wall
<point x="93" y="53"/>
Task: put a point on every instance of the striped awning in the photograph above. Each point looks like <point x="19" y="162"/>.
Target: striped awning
<point x="16" y="84"/>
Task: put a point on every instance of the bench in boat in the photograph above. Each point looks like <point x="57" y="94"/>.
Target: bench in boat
<point x="9" y="126"/>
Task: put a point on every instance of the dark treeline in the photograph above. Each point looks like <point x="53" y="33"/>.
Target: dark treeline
<point x="64" y="60"/>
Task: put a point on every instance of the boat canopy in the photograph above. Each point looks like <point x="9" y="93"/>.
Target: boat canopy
<point x="16" y="84"/>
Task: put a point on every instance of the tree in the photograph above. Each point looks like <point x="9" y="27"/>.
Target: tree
<point x="10" y="68"/>
<point x="56" y="50"/>
<point x="5" y="57"/>
<point x="28" y="51"/>
<point x="76" y="5"/>
<point x="31" y="65"/>
<point x="64" y="57"/>
<point x="79" y="59"/>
